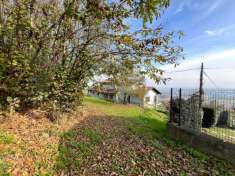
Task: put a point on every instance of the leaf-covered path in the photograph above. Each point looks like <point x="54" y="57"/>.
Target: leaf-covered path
<point x="107" y="140"/>
<point x="104" y="144"/>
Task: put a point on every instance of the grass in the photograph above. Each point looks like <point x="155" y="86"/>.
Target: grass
<point x="94" y="136"/>
<point x="77" y="147"/>
<point x="225" y="134"/>
<point x="109" y="139"/>
<point x="113" y="109"/>
<point x="6" y="138"/>
<point x="3" y="169"/>
<point x="150" y="122"/>
<point x="150" y="125"/>
<point x="147" y="122"/>
<point x="72" y="153"/>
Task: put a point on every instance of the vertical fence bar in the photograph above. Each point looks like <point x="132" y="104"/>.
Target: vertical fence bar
<point x="180" y="99"/>
<point x="218" y="118"/>
<point x="171" y="103"/>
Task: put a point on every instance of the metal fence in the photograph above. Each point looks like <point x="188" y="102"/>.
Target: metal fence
<point x="212" y="112"/>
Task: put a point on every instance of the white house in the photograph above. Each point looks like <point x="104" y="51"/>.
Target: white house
<point x="108" y="90"/>
<point x="152" y="97"/>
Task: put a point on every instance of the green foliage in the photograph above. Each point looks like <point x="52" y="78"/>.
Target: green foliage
<point x="3" y="169"/>
<point x="147" y="123"/>
<point x="72" y="153"/>
<point x="50" y="49"/>
<point x="196" y="154"/>
<point x="94" y="136"/>
<point x="112" y="108"/>
<point x="147" y="9"/>
<point x="131" y="138"/>
<point x="6" y="138"/>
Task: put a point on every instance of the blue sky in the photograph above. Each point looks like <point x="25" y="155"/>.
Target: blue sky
<point x="209" y="28"/>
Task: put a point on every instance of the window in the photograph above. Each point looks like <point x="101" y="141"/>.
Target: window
<point x="147" y="99"/>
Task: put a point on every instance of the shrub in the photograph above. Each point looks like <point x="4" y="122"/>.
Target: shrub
<point x="50" y="49"/>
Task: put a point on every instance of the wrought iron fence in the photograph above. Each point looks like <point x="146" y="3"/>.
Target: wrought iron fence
<point x="212" y="112"/>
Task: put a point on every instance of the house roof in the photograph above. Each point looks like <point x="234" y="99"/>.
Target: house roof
<point x="154" y="89"/>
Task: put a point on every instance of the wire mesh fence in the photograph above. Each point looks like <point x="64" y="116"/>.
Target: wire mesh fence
<point x="212" y="112"/>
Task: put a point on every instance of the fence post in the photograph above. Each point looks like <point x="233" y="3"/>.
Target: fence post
<point x="201" y="92"/>
<point x="171" y="102"/>
<point x="180" y="99"/>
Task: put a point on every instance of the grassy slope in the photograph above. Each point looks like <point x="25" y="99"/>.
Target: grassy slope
<point x="129" y="140"/>
<point x="110" y="139"/>
<point x="146" y="121"/>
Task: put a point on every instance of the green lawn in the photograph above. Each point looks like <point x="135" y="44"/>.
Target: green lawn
<point x="225" y="134"/>
<point x="147" y="128"/>
<point x="113" y="109"/>
<point x="143" y="121"/>
<point x="102" y="139"/>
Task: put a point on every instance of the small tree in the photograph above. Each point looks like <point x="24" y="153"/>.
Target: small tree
<point x="50" y="49"/>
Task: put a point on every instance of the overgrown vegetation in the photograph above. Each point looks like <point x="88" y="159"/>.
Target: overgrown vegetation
<point x="50" y="49"/>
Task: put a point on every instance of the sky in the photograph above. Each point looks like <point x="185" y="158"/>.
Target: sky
<point x="209" y="37"/>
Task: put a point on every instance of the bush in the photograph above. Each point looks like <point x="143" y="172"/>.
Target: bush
<point x="49" y="49"/>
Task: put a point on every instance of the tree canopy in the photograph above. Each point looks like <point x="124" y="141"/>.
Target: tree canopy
<point x="50" y="49"/>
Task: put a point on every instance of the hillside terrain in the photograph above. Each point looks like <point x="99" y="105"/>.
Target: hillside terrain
<point x="101" y="138"/>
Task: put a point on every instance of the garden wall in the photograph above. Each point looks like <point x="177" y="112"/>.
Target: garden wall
<point x="203" y="142"/>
